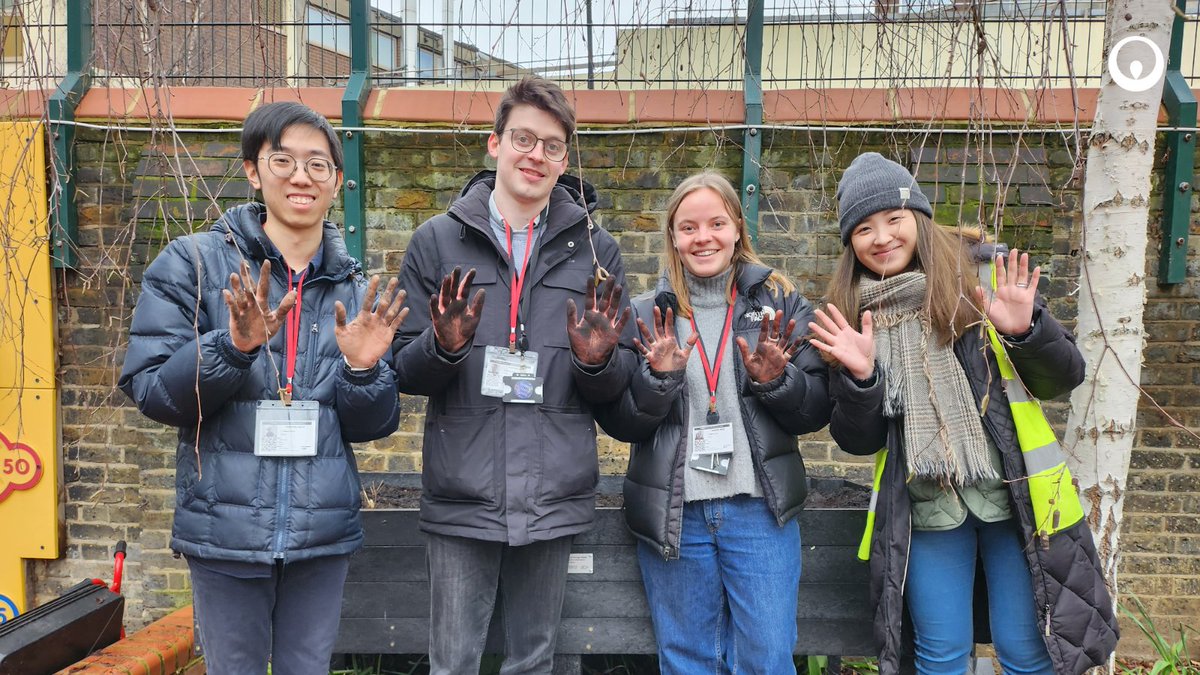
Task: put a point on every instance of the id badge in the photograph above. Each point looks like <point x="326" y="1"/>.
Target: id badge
<point x="499" y="363"/>
<point x="522" y="389"/>
<point x="286" y="430"/>
<point x="712" y="448"/>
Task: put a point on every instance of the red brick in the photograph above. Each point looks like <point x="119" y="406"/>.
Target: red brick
<point x="682" y="106"/>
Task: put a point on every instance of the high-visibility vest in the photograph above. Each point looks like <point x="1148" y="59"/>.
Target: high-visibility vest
<point x="1052" y="491"/>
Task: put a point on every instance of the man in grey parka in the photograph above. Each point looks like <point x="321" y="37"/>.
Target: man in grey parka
<point x="509" y="454"/>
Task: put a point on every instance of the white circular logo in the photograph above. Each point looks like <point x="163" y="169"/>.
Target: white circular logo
<point x="1137" y="79"/>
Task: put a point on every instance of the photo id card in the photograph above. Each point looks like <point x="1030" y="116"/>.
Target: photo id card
<point x="499" y="363"/>
<point x="712" y="448"/>
<point x="286" y="430"/>
<point x="522" y="389"/>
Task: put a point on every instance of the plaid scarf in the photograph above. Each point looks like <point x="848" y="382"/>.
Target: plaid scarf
<point x="925" y="384"/>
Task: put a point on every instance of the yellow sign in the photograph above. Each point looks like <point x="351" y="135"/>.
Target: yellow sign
<point x="20" y="466"/>
<point x="30" y="468"/>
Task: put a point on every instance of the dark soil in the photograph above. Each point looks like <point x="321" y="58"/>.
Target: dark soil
<point x="823" y="494"/>
<point x="844" y="496"/>
<point x="384" y="496"/>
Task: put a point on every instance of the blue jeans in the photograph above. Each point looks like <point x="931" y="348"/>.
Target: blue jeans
<point x="465" y="577"/>
<point x="246" y="612"/>
<point x="939" y="592"/>
<point x="728" y="605"/>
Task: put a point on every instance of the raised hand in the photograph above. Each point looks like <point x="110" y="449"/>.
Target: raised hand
<point x="454" y="319"/>
<point x="660" y="349"/>
<point x="251" y="322"/>
<point x="853" y="349"/>
<point x="595" y="335"/>
<point x="770" y="357"/>
<point x="1011" y="306"/>
<point x="369" y="336"/>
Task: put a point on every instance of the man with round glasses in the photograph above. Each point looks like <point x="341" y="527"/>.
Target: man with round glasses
<point x="268" y="385"/>
<point x="509" y="453"/>
<point x="319" y="169"/>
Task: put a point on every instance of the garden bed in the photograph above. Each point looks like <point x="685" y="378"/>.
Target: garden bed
<point x="386" y="604"/>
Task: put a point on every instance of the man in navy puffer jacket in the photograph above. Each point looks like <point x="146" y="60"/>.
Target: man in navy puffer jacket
<point x="268" y="384"/>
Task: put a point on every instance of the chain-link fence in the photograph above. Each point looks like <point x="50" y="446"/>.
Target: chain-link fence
<point x="598" y="44"/>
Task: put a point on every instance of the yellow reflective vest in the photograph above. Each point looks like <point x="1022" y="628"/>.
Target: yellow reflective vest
<point x="1052" y="490"/>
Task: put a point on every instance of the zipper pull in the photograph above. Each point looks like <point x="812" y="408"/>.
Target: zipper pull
<point x="1047" y="619"/>
<point x="314" y="328"/>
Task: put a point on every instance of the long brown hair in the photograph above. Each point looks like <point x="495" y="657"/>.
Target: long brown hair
<point x="943" y="255"/>
<point x="743" y="250"/>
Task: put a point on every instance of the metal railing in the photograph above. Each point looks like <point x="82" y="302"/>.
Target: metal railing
<point x="815" y="44"/>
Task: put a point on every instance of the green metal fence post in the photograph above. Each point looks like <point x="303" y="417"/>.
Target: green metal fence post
<point x="1180" y="169"/>
<point x="753" y="97"/>
<point x="354" y="101"/>
<point x="61" y="112"/>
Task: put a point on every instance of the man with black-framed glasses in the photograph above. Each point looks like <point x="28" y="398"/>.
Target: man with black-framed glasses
<point x="509" y="454"/>
<point x="240" y="340"/>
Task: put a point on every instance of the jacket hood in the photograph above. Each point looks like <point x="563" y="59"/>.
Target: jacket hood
<point x="580" y="191"/>
<point x="243" y="225"/>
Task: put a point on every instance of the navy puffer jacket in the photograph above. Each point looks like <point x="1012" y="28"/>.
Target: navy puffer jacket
<point x="182" y="369"/>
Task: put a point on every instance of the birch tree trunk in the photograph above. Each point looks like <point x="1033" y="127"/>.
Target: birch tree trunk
<point x="1116" y="207"/>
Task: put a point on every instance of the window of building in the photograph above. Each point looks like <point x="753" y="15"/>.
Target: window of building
<point x="11" y="30"/>
<point x="426" y="63"/>
<point x="328" y="30"/>
<point x="383" y="50"/>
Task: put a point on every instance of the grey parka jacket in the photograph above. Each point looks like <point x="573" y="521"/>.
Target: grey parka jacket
<point x="495" y="471"/>
<point x="182" y="370"/>
<point x="1074" y="607"/>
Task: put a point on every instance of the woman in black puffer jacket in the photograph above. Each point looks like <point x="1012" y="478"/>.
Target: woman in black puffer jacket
<point x="917" y="378"/>
<point x="715" y="479"/>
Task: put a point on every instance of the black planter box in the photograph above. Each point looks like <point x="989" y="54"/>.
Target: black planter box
<point x="386" y="604"/>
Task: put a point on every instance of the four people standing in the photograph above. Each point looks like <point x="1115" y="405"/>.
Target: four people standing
<point x="526" y="344"/>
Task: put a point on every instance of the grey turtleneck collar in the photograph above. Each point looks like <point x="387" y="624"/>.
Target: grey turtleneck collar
<point x="708" y="291"/>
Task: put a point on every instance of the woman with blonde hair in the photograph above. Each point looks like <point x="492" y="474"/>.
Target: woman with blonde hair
<point x="715" y="479"/>
<point x="918" y="384"/>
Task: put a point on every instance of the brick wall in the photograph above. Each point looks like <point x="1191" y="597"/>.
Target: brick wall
<point x="135" y="194"/>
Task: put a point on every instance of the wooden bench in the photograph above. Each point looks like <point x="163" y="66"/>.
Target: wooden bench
<point x="386" y="605"/>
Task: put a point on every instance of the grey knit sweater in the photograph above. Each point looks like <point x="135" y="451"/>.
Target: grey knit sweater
<point x="709" y="305"/>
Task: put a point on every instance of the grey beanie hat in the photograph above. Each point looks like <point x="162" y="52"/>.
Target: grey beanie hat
<point x="874" y="183"/>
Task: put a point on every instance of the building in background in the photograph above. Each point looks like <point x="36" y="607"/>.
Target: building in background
<point x="260" y="43"/>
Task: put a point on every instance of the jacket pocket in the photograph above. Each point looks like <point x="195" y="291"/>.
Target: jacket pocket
<point x="570" y="468"/>
<point x="460" y="460"/>
<point x="549" y="313"/>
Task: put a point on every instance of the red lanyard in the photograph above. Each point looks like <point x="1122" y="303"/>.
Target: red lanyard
<point x="713" y="373"/>
<point x="514" y="302"/>
<point x="292" y="337"/>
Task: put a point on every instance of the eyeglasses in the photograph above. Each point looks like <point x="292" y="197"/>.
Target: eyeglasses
<point x="524" y="140"/>
<point x="284" y="165"/>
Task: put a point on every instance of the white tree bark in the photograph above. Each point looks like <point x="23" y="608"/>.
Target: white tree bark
<point x="1116" y="207"/>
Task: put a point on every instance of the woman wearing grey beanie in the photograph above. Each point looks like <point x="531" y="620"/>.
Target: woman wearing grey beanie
<point x="916" y="384"/>
<point x="715" y="479"/>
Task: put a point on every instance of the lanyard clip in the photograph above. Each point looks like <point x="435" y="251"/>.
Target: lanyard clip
<point x="285" y="395"/>
<point x="523" y="340"/>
